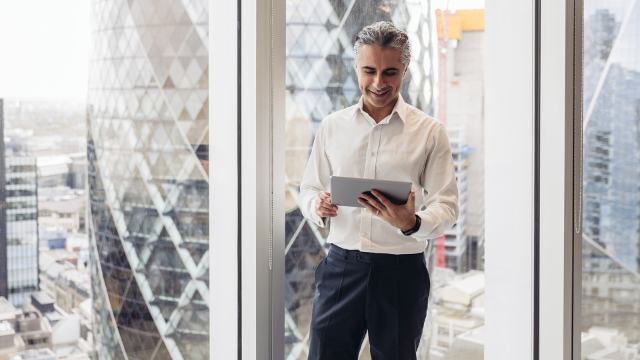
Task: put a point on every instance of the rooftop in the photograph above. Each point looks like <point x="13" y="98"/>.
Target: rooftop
<point x="7" y="310"/>
<point x="43" y="302"/>
<point x="35" y="354"/>
<point x="464" y="289"/>
<point x="6" y="328"/>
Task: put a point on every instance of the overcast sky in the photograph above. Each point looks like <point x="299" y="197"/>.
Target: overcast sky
<point x="458" y="4"/>
<point x="44" y="48"/>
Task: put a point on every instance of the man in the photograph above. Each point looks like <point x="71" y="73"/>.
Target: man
<point x="374" y="278"/>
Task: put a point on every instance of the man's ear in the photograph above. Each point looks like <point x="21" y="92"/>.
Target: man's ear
<point x="406" y="68"/>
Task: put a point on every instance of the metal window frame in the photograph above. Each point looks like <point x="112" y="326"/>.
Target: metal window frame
<point x="576" y="120"/>
<point x="224" y="207"/>
<point x="511" y="206"/>
<point x="561" y="178"/>
<point x="246" y="199"/>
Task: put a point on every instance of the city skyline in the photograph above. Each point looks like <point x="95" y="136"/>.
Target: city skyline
<point x="168" y="94"/>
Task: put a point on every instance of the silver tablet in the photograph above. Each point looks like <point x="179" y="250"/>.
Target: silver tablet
<point x="345" y="190"/>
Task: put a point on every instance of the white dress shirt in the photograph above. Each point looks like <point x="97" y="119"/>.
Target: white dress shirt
<point x="407" y="145"/>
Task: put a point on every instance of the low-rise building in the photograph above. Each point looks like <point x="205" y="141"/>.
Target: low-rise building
<point x="42" y="330"/>
<point x="64" y="279"/>
<point x="61" y="209"/>
<point x="458" y="315"/>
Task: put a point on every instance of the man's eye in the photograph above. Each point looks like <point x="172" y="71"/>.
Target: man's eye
<point x="391" y="73"/>
<point x="369" y="71"/>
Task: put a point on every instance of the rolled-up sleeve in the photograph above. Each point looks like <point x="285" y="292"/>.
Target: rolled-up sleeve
<point x="315" y="179"/>
<point x="439" y="180"/>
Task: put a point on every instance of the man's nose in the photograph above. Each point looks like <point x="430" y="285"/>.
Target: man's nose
<point x="378" y="82"/>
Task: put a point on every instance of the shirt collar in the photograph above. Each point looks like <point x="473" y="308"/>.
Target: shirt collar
<point x="400" y="108"/>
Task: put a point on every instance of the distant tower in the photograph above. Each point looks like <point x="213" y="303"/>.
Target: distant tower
<point x="4" y="291"/>
<point x="611" y="195"/>
<point x="18" y="223"/>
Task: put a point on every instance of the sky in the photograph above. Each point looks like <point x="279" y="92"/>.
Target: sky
<point x="44" y="49"/>
<point x="458" y="4"/>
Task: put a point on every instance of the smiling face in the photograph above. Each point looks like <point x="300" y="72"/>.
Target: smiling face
<point x="380" y="74"/>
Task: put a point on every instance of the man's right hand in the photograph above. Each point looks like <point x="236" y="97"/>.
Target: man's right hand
<point x="324" y="207"/>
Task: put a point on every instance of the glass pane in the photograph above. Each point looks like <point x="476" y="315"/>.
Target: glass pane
<point x="104" y="184"/>
<point x="147" y="147"/>
<point x="447" y="45"/>
<point x="610" y="322"/>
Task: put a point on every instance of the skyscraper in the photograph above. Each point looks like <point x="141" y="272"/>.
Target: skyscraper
<point x="611" y="168"/>
<point x="455" y="239"/>
<point x="4" y="291"/>
<point x="18" y="222"/>
<point x="22" y="227"/>
<point x="611" y="205"/>
<point x="461" y="42"/>
<point x="147" y="115"/>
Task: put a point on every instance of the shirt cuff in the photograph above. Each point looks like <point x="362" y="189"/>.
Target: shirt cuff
<point x="422" y="234"/>
<point x="320" y="222"/>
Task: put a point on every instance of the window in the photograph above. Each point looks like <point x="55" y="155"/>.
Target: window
<point x="611" y="169"/>
<point x="113" y="124"/>
<point x="320" y="79"/>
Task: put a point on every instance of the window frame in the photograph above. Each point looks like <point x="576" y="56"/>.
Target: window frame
<point x="247" y="321"/>
<point x="510" y="205"/>
<point x="561" y="179"/>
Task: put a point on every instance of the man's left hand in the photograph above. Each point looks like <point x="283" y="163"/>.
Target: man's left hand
<point x="400" y="216"/>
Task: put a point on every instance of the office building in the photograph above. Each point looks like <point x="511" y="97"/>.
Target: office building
<point x="18" y="223"/>
<point x="456" y="247"/>
<point x="611" y="196"/>
<point x="40" y="330"/>
<point x="148" y="192"/>
<point x="461" y="90"/>
<point x="4" y="290"/>
<point x="22" y="227"/>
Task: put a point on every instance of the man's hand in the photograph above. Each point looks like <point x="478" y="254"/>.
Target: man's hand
<point x="400" y="216"/>
<point x="324" y="207"/>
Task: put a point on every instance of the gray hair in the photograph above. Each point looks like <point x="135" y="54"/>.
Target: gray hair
<point x="386" y="35"/>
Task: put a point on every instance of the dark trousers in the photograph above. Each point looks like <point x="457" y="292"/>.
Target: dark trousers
<point x="357" y="292"/>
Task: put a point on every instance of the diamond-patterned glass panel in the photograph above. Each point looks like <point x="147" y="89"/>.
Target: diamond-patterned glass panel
<point x="148" y="99"/>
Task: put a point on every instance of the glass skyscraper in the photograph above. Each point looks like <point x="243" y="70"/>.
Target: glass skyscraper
<point x="18" y="221"/>
<point x="611" y="210"/>
<point x="4" y="291"/>
<point x="22" y="227"/>
<point x="611" y="177"/>
<point x="147" y="120"/>
<point x="320" y="79"/>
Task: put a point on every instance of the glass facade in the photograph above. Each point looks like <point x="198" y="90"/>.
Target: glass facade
<point x="22" y="227"/>
<point x="611" y="195"/>
<point x="3" y="211"/>
<point x="18" y="221"/>
<point x="149" y="194"/>
<point x="320" y="79"/>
